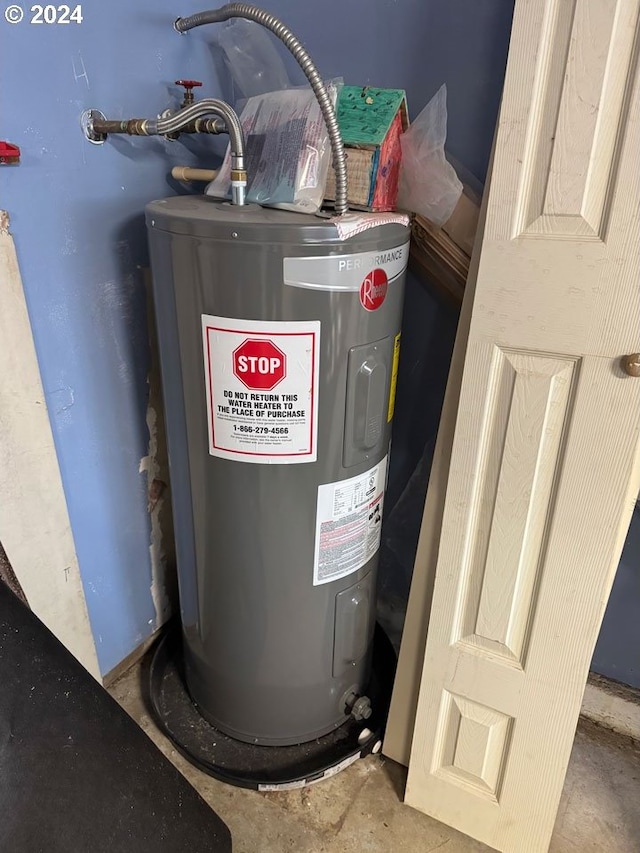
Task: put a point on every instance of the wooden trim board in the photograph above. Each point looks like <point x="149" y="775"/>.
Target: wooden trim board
<point x="613" y="705"/>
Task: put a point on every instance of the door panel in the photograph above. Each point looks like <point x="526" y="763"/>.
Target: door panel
<point x="545" y="462"/>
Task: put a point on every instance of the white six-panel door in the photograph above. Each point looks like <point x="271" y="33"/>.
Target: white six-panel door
<point x="545" y="462"/>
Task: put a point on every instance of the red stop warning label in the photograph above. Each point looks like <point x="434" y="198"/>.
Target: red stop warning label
<point x="261" y="381"/>
<point x="373" y="289"/>
<point x="259" y="364"/>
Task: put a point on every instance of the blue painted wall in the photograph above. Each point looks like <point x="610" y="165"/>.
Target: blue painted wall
<point x="416" y="45"/>
<point x="617" y="653"/>
<point x="76" y="213"/>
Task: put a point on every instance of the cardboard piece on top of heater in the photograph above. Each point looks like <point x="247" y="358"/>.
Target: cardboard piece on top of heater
<point x="371" y="122"/>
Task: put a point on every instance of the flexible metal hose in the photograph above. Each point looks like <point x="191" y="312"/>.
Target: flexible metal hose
<point x="175" y="122"/>
<point x="252" y="13"/>
<point x="172" y="124"/>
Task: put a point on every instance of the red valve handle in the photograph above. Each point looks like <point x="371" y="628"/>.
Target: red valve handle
<point x="188" y="84"/>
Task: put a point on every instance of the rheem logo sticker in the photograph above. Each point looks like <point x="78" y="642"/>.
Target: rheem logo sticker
<point x="373" y="289"/>
<point x="259" y="364"/>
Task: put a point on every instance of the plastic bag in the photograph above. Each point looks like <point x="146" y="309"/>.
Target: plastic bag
<point x="428" y="183"/>
<point x="252" y="58"/>
<point x="287" y="154"/>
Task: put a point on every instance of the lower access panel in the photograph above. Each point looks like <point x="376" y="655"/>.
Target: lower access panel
<point x="353" y="625"/>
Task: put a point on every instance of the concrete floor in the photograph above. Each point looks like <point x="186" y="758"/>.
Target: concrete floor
<point x="360" y="810"/>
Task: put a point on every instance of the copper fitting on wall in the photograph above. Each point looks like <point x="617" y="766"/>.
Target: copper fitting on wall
<point x="132" y="126"/>
<point x="97" y="127"/>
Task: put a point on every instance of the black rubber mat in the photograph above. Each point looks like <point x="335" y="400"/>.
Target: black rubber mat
<point x="263" y="767"/>
<point x="76" y="772"/>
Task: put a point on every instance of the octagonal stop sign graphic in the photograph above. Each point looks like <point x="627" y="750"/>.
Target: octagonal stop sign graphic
<point x="259" y="364"/>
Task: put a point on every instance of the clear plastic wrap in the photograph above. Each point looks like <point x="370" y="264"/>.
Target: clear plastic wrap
<point x="287" y="154"/>
<point x="429" y="184"/>
<point x="252" y="58"/>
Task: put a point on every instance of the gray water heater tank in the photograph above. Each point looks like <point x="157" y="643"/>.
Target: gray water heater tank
<point x="279" y="346"/>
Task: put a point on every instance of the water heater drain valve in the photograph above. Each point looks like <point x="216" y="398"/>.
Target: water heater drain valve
<point x="359" y="707"/>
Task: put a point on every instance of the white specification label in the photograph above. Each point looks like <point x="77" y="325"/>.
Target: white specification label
<point x="348" y="524"/>
<point x="262" y="389"/>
